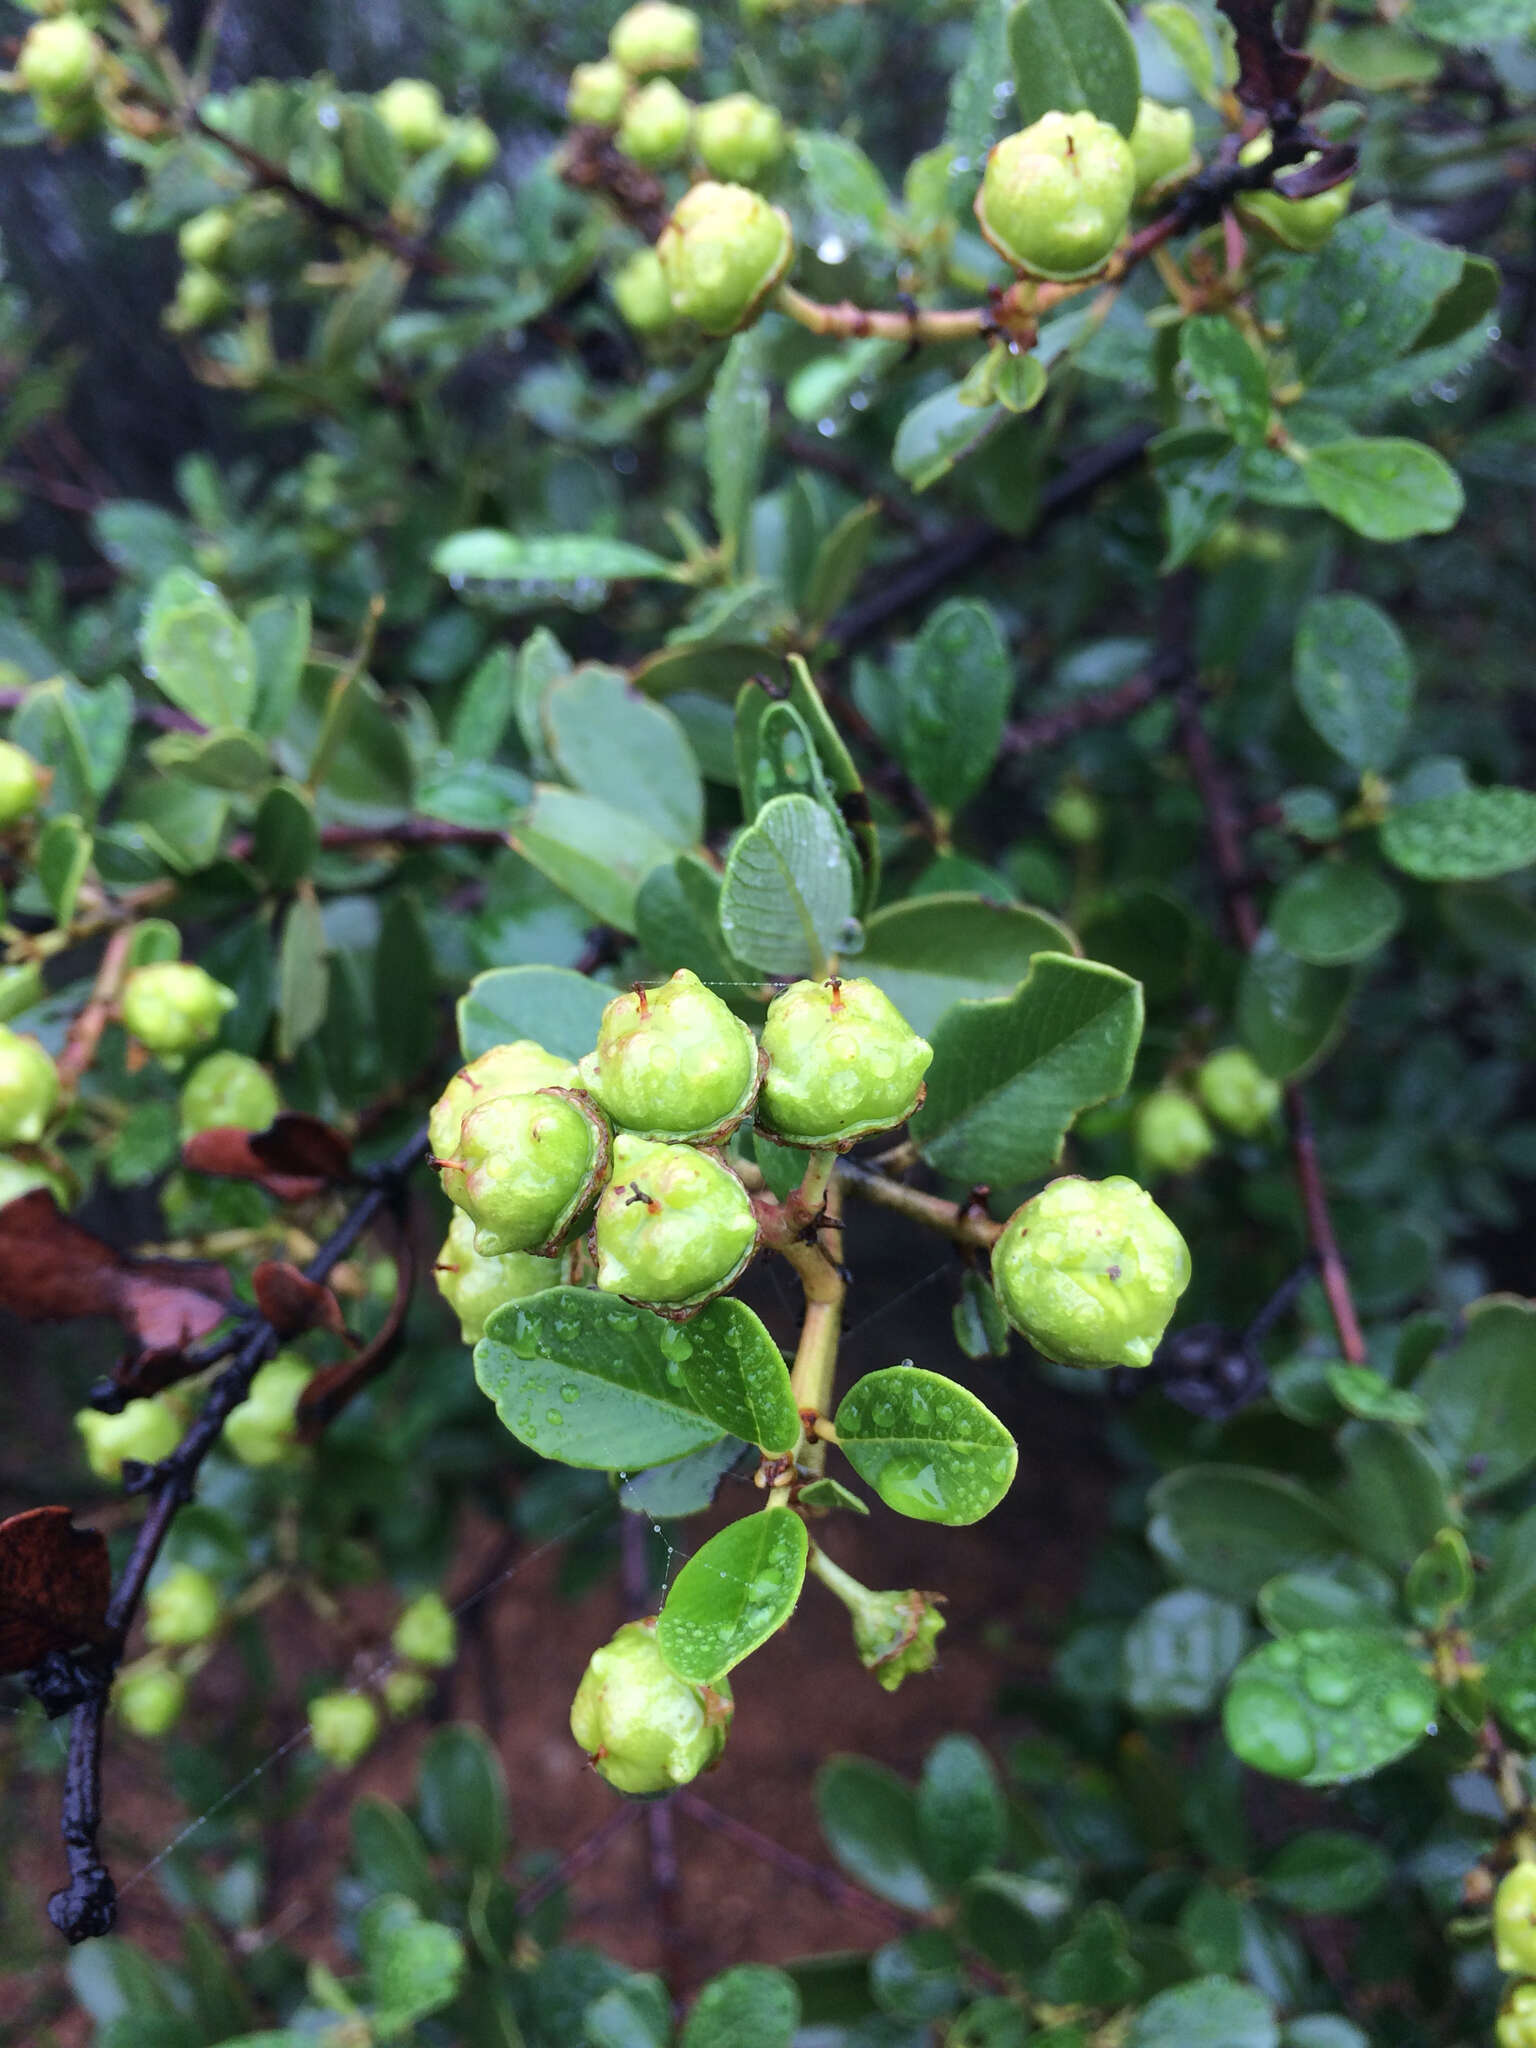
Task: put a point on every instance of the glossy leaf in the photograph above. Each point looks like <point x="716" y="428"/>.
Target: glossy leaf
<point x="1335" y="912"/>
<point x="677" y="921"/>
<point x="962" y="1816"/>
<point x="557" y="1007"/>
<point x="751" y="2006"/>
<point x="1512" y="1684"/>
<point x="414" y="1965"/>
<point x="195" y="649"/>
<point x="303" y="975"/>
<point x="1289" y="1013"/>
<point x="685" y="1485"/>
<point x="591" y="851"/>
<point x="1369" y="292"/>
<point x="732" y="1594"/>
<point x="1328" y="1705"/>
<point x="940" y="431"/>
<point x="1069" y="54"/>
<point x="952" y="697"/>
<point x="869" y="1819"/>
<point x="1210" y="2012"/>
<point x="614" y="744"/>
<point x="1222" y="366"/>
<point x="736" y="436"/>
<point x="1179" y="1651"/>
<point x="1467" y="836"/>
<point x="1354" y="679"/>
<point x="1481" y="1397"/>
<point x="461" y="1798"/>
<point x="927" y="1446"/>
<point x="1327" y="1872"/>
<point x="487" y="555"/>
<point x="737" y="1376"/>
<point x="1393" y="1495"/>
<point x="1384" y="488"/>
<point x="1229" y="1528"/>
<point x="787" y="897"/>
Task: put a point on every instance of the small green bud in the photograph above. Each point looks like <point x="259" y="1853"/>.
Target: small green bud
<point x="597" y="93"/>
<point x="21" y="784"/>
<point x="172" y="1007"/>
<point x="228" y="1091"/>
<point x="842" y="1062"/>
<point x="405" y="1692"/>
<point x="1056" y="197"/>
<point x="29" y="1088"/>
<point x="1514" y="1921"/>
<point x="674" y="1225"/>
<point x="639" y="289"/>
<point x="202" y="297"/>
<point x="1090" y="1272"/>
<point x="264" y="1428"/>
<point x="1516" y="2024"/>
<point x="1076" y="815"/>
<point x="1163" y="147"/>
<point x="521" y="1068"/>
<point x="149" y="1699"/>
<point x="738" y="137"/>
<point x="343" y="1726"/>
<point x="1303" y="224"/>
<point x="723" y="251"/>
<point x="204" y="238"/>
<point x="475" y="147"/>
<point x="525" y="1168"/>
<point x="412" y="110"/>
<point x="182" y="1608"/>
<point x="655" y="36"/>
<point x="897" y="1635"/>
<point x="1237" y="1091"/>
<point x="655" y="125"/>
<point x="474" y="1287"/>
<point x="146" y="1430"/>
<point x="673" y="1062"/>
<point x="59" y="58"/>
<point x="1172" y="1135"/>
<point x="427" y="1633"/>
<point x="645" y="1729"/>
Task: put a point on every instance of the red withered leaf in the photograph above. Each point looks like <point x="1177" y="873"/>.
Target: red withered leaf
<point x="292" y="1304"/>
<point x="55" y="1581"/>
<point x="52" y="1270"/>
<point x="335" y="1385"/>
<point x="230" y="1154"/>
<point x="303" y="1145"/>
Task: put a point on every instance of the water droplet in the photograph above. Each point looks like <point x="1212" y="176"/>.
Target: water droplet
<point x="1268" y="1729"/>
<point x="1330" y="1684"/>
<point x="1406" y="1712"/>
<point x="570" y="1391"/>
<point x="553" y="1417"/>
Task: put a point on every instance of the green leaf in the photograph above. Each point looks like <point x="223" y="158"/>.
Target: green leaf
<point x="751" y="2006"/>
<point x="1094" y="1965"/>
<point x="617" y="745"/>
<point x="1365" y="1393"/>
<point x="940" y="431"/>
<point x="1211" y="2012"/>
<point x="590" y="1380"/>
<point x="677" y="921"/>
<point x="1328" y="1705"/>
<point x="1012" y="1919"/>
<point x="927" y="1446"/>
<point x="1336" y="911"/>
<point x="1469" y="835"/>
<point x="917" y="1977"/>
<point x="737" y="1376"/>
<point x="1511" y="1682"/>
<point x="1229" y="1528"/>
<point x="341" y="736"/>
<point x="279" y="630"/>
<point x="596" y="854"/>
<point x="733" y="1594"/>
<point x="1354" y="679"/>
<point x="1179" y="1651"/>
<point x="303" y="976"/>
<point x="1384" y="488"/>
<point x="556" y="1006"/>
<point x="285" y="837"/>
<point x="1351" y="1593"/>
<point x="1010" y="1074"/>
<point x="1392" y="1498"/>
<point x="962" y="1816"/>
<point x="485" y="554"/>
<point x="840" y="561"/>
<point x="1222" y="366"/>
<point x="736" y="437"/>
<point x="1481" y="1397"/>
<point x="787" y="899"/>
<point x="1290" y="1014"/>
<point x="194" y="648"/>
<point x="405" y="988"/>
<point x="844" y="188"/>
<point x="684" y="1486"/>
<point x="951" y="700"/>
<point x="972" y="125"/>
<point x="1367" y="295"/>
<point x="1199" y="471"/>
<point x="461" y="1798"/>
<point x="933" y="951"/>
<point x="63" y="862"/>
<point x="229" y="758"/>
<point x="1374" y="55"/>
<point x="1069" y="54"/>
<point x="634" y="2014"/>
<point x="869" y="1819"/>
<point x="1439" y="1582"/>
<point x="414" y="1965"/>
<point x="1327" y="1872"/>
<point x="1185" y="34"/>
<point x="389" y="1853"/>
<point x="486" y="708"/>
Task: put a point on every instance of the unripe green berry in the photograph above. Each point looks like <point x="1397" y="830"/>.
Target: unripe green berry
<point x="738" y="137"/>
<point x="1516" y="2024"/>
<point x="412" y="110"/>
<point x="1056" y="197"/>
<point x="427" y="1633"/>
<point x="203" y="239"/>
<point x="525" y="1167"/>
<point x="655" y="36"/>
<point x="655" y="125"/>
<point x="343" y="1727"/>
<point x="842" y="1062"/>
<point x="674" y="1225"/>
<point x="59" y="58"/>
<point x="1163" y="146"/>
<point x="172" y="1007"/>
<point x="202" y="297"/>
<point x="1076" y="815"/>
<point x="520" y="1068"/>
<point x="264" y="1428"/>
<point x="147" y="1431"/>
<point x="1090" y="1272"/>
<point x="639" y="289"/>
<point x="1172" y="1135"/>
<point x="1303" y="224"/>
<point x="474" y="145"/>
<point x="597" y="93"/>
<point x="29" y="1088"/>
<point x="20" y="1177"/>
<point x="474" y="1287"/>
<point x="1514" y="1921"/>
<point x="405" y="1692"/>
<point x="228" y="1091"/>
<point x="182" y="1608"/>
<point x="1237" y="1091"/>
<point x="723" y="251"/>
<point x="149" y="1699"/>
<point x="21" y="784"/>
<point x="673" y="1062"/>
<point x="645" y="1729"/>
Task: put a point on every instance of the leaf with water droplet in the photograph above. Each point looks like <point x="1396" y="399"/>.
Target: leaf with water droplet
<point x="927" y="1446"/>
<point x="1327" y="1705"/>
<point x="732" y="1594"/>
<point x="735" y="1374"/>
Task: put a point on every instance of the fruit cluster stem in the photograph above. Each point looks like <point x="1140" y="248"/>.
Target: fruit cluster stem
<point x="814" y="1373"/>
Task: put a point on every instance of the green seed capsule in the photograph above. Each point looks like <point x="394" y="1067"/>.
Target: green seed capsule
<point x="427" y="1633"/>
<point x="21" y="784"/>
<point x="475" y="1287"/>
<point x="263" y="1430"/>
<point x="520" y="1068"/>
<point x="842" y="1062"/>
<point x="149" y="1699"/>
<point x="655" y="125"/>
<point x="172" y="1007"/>
<point x="1514" y="1921"/>
<point x="1056" y="197"/>
<point x="738" y="137"/>
<point x="182" y="1608"/>
<point x="673" y="1062"/>
<point x="655" y="36"/>
<point x="59" y="59"/>
<point x="29" y="1088"/>
<point x="674" y="1226"/>
<point x="525" y="1167"/>
<point x="146" y="1431"/>
<point x="1238" y="1092"/>
<point x="640" y="292"/>
<point x="413" y="112"/>
<point x="1163" y="147"/>
<point x="1303" y="224"/>
<point x="723" y="251"/>
<point x="645" y="1729"/>
<point x="1172" y="1135"/>
<point x="343" y="1727"/>
<point x="597" y="93"/>
<point x="1516" y="2024"/>
<point x="228" y="1091"/>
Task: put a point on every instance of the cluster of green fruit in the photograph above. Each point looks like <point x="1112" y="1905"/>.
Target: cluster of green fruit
<point x="58" y="64"/>
<point x="1514" y="1937"/>
<point x="1173" y="1125"/>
